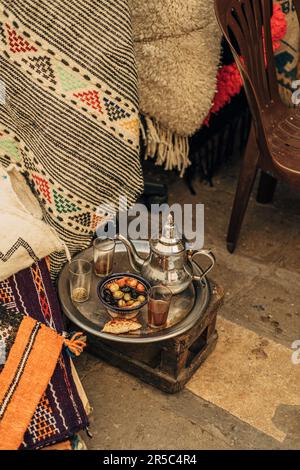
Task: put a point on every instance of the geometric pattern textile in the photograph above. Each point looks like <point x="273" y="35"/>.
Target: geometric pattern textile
<point x="70" y="119"/>
<point x="59" y="413"/>
<point x="27" y="370"/>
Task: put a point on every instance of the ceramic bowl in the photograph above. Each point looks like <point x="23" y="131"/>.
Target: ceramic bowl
<point x="121" y="312"/>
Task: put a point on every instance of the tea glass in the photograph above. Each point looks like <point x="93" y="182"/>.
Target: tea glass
<point x="159" y="301"/>
<point x="80" y="274"/>
<point x="103" y="252"/>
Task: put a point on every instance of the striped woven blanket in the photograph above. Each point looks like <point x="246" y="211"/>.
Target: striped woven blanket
<point x="69" y="108"/>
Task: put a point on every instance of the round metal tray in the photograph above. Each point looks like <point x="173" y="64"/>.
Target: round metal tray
<point x="90" y="316"/>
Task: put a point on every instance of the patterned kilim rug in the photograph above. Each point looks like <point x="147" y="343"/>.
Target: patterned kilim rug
<point x="69" y="117"/>
<point x="31" y="360"/>
<point x="59" y="413"/>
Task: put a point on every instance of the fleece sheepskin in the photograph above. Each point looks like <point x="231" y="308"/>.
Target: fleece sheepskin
<point x="177" y="46"/>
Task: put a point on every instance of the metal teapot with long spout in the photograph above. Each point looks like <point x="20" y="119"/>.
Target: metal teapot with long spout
<point x="169" y="263"/>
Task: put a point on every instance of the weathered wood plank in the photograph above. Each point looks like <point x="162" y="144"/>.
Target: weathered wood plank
<point x="167" y="365"/>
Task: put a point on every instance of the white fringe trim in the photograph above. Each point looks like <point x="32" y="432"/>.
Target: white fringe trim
<point x="169" y="148"/>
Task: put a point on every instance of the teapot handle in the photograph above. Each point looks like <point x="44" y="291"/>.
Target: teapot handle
<point x="209" y="254"/>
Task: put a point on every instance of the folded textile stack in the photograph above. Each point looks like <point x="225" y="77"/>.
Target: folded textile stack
<point x="39" y="401"/>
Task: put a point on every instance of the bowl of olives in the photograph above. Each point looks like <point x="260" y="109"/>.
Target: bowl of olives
<point x="123" y="294"/>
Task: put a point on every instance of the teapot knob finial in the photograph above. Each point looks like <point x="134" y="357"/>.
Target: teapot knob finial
<point x="170" y="219"/>
<point x="169" y="229"/>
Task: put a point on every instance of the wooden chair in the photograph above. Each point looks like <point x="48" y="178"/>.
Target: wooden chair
<point x="274" y="140"/>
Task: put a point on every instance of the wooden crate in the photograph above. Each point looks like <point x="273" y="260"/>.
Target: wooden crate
<point x="169" y="364"/>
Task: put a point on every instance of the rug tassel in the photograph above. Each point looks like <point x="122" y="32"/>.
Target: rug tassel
<point x="67" y="251"/>
<point x="169" y="148"/>
<point x="75" y="345"/>
<point x="64" y="245"/>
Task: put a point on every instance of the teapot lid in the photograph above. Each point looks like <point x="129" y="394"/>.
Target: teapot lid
<point x="169" y="243"/>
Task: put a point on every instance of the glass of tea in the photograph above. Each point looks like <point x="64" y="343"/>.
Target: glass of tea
<point x="80" y="274"/>
<point x="159" y="301"/>
<point x="104" y="250"/>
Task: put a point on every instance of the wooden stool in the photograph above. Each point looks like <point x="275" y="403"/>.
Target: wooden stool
<point x="169" y="364"/>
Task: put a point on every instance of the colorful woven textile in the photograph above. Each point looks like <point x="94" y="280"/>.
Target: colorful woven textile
<point x="70" y="113"/>
<point x="59" y="413"/>
<point x="28" y="368"/>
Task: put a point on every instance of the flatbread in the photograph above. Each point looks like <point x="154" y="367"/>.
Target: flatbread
<point x="121" y="325"/>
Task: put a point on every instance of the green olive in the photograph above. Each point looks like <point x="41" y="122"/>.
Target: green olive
<point x="118" y="294"/>
<point x="114" y="288"/>
<point x="127" y="297"/>
<point x="141" y="298"/>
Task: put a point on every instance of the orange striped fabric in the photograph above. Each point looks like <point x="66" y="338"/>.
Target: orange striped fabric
<point x="24" y="378"/>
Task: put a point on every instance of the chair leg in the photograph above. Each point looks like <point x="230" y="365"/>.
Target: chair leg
<point x="266" y="188"/>
<point x="244" y="188"/>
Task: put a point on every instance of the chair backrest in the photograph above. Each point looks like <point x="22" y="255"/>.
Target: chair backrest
<point x="246" y="24"/>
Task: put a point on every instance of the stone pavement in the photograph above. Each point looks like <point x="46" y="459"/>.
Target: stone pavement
<point x="261" y="282"/>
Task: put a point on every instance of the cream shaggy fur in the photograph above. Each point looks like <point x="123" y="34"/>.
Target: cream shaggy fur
<point x="177" y="45"/>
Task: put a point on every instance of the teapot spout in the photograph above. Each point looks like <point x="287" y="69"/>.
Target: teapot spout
<point x="135" y="260"/>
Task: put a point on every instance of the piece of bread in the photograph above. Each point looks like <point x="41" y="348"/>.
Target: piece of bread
<point x="121" y="325"/>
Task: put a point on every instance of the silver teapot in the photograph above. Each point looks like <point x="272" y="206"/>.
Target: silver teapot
<point x="169" y="263"/>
